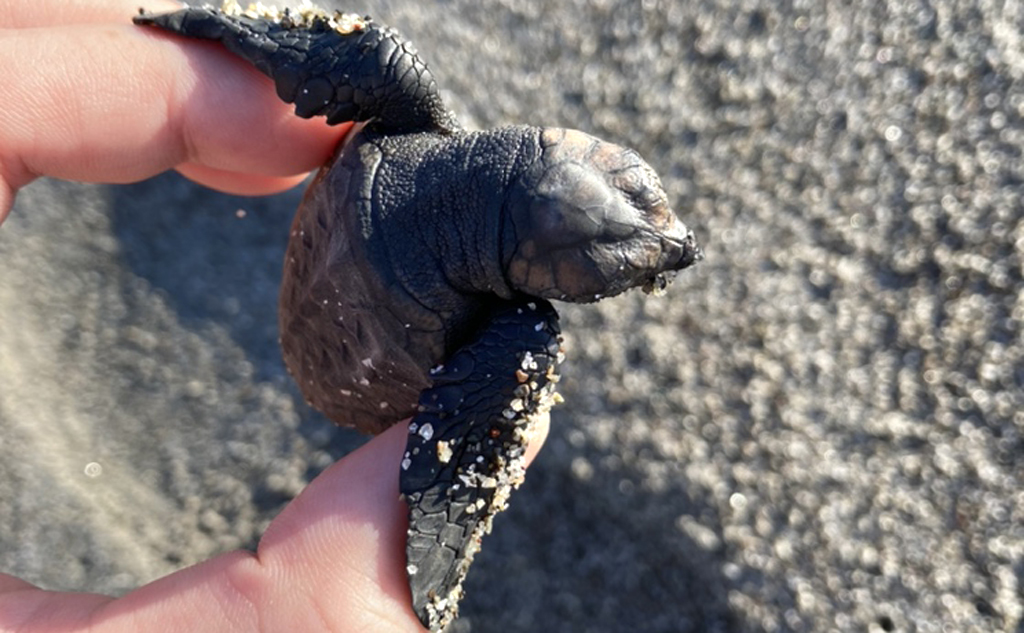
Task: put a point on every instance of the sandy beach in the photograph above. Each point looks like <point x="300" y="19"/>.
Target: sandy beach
<point x="819" y="428"/>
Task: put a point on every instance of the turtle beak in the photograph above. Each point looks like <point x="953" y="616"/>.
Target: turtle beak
<point x="680" y="247"/>
<point x="680" y="250"/>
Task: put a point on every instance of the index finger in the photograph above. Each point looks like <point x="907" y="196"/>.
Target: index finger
<point x="18" y="14"/>
<point x="118" y="103"/>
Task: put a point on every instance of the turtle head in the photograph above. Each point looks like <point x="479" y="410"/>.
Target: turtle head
<point x="589" y="219"/>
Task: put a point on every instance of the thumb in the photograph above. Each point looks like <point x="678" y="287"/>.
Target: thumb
<point x="333" y="560"/>
<point x="340" y="545"/>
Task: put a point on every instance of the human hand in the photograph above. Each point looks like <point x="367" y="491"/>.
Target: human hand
<point x="333" y="560"/>
<point x="90" y="97"/>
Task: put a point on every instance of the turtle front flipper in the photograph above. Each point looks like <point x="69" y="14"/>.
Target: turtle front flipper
<point x="334" y="64"/>
<point x="466" y="447"/>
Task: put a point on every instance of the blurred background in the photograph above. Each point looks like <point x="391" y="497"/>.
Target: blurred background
<point x="819" y="428"/>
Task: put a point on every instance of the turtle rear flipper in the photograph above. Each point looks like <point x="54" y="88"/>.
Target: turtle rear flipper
<point x="337" y="65"/>
<point x="466" y="448"/>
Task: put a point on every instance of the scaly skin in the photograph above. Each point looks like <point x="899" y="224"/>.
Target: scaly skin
<point x="467" y="445"/>
<point x="356" y="73"/>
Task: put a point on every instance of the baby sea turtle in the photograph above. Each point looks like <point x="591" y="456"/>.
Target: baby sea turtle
<point x="422" y="259"/>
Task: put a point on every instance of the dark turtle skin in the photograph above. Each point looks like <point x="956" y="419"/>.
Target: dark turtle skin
<point x="421" y="262"/>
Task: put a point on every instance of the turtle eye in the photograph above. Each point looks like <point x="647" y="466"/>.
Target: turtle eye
<point x="641" y="187"/>
<point x="647" y="198"/>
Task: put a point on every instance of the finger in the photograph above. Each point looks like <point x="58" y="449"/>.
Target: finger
<point x="538" y="434"/>
<point x="350" y="523"/>
<point x="238" y="183"/>
<point x="118" y="103"/>
<point x="333" y="560"/>
<point x="346" y="532"/>
<point x="18" y="14"/>
<point x="9" y="583"/>
<point x="26" y="607"/>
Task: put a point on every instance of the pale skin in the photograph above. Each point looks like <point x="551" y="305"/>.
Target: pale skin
<point x="90" y="97"/>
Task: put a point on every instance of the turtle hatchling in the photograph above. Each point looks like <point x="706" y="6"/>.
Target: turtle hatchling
<point x="422" y="261"/>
